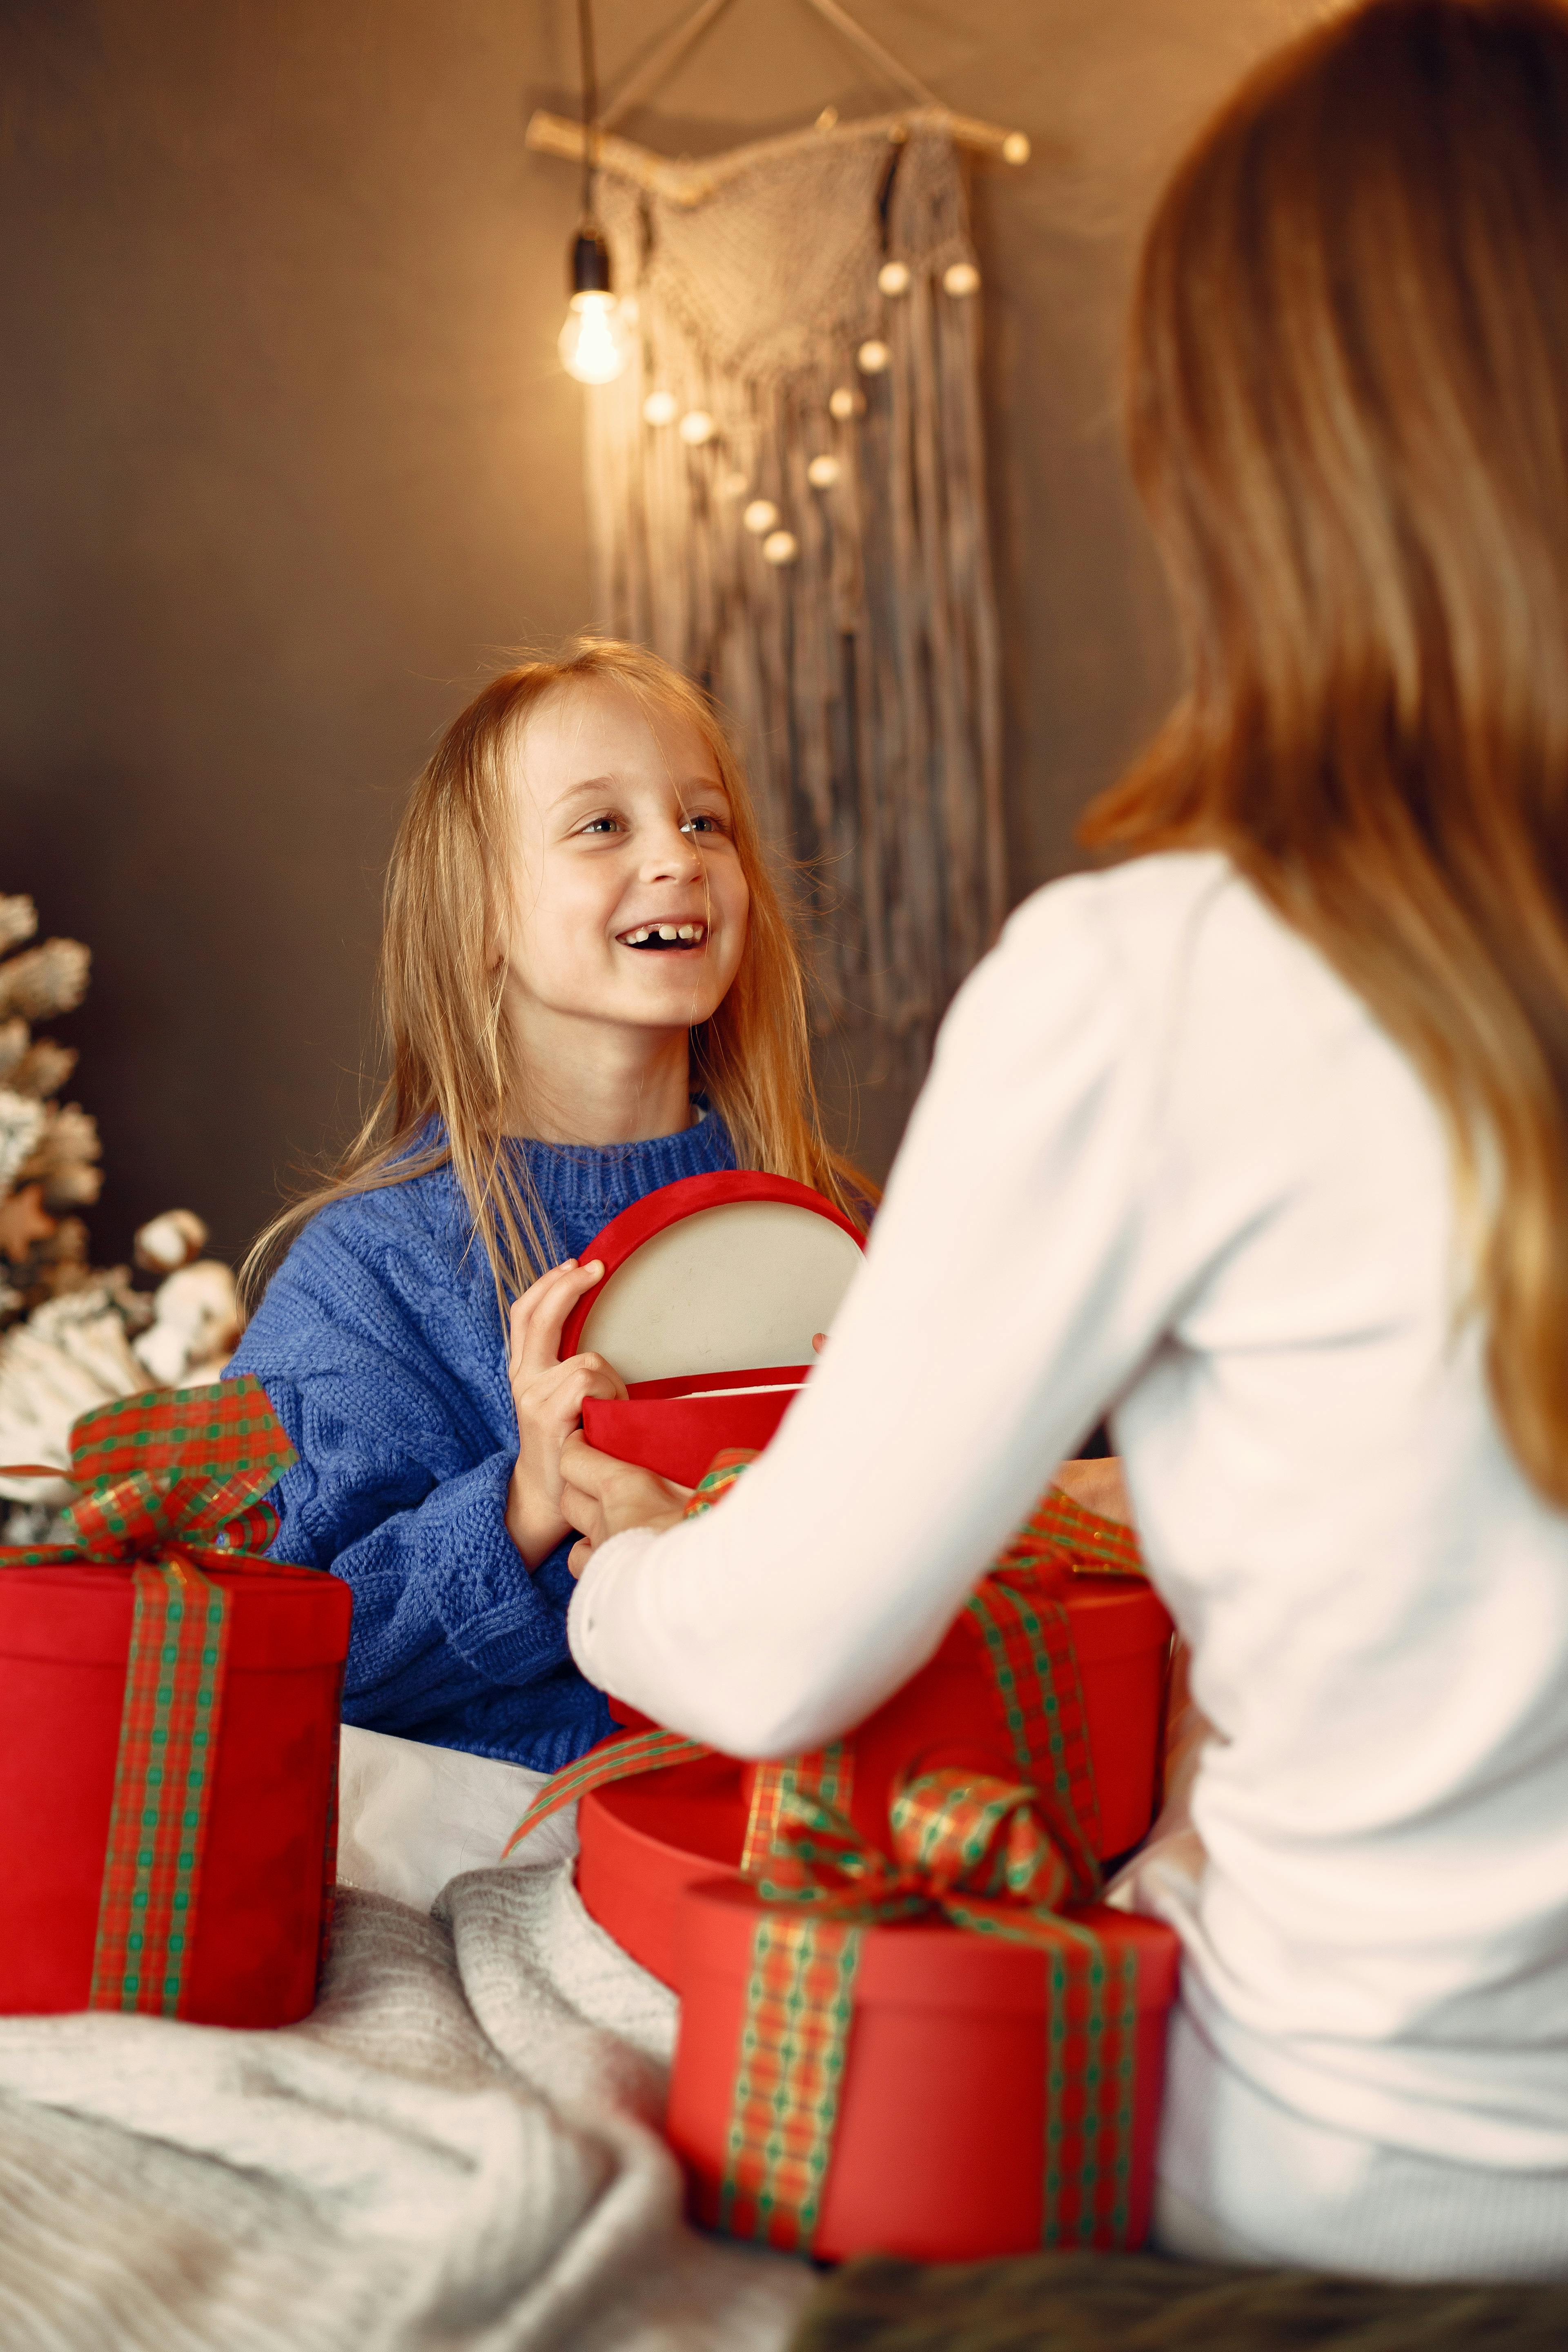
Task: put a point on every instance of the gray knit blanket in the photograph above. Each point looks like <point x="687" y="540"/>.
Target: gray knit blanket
<point x="457" y="2152"/>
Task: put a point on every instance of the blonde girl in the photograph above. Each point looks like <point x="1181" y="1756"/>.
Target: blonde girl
<point x="589" y="989"/>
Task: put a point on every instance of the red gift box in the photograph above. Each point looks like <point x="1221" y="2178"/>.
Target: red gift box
<point x="937" y="2046"/>
<point x="169" y="1709"/>
<point x="964" y="2083"/>
<point x="712" y="1292"/>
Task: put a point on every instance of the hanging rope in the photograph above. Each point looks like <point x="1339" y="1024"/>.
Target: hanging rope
<point x="590" y="73"/>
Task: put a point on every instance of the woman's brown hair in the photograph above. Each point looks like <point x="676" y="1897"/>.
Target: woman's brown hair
<point x="1348" y="416"/>
<point x="454" y="1074"/>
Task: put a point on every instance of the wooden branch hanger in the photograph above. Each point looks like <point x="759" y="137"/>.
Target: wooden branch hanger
<point x="689" y="183"/>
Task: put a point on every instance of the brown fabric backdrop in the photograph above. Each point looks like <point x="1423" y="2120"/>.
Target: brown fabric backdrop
<point x="288" y="459"/>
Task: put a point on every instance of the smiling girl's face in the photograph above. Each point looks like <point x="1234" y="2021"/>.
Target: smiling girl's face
<point x="630" y="904"/>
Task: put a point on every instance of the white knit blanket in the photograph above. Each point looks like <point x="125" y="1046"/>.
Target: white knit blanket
<point x="458" y="2149"/>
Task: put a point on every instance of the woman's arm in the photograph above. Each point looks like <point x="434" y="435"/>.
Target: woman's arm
<point x="1006" y="1300"/>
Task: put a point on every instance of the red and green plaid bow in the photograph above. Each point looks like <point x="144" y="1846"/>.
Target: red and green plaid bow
<point x="986" y="1854"/>
<point x="172" y="1485"/>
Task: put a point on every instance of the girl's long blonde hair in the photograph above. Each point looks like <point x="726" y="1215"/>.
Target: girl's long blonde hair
<point x="452" y="1058"/>
<point x="1348" y="408"/>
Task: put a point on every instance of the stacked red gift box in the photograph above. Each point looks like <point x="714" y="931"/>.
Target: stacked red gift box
<point x="906" y="2022"/>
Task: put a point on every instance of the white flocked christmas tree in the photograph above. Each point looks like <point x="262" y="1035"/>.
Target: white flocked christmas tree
<point x="73" y="1336"/>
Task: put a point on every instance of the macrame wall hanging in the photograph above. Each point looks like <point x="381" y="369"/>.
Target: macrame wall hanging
<point x="786" y="494"/>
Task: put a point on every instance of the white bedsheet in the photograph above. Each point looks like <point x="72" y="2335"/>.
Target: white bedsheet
<point x="410" y="1817"/>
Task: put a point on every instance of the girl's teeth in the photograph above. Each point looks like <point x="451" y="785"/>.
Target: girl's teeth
<point x="695" y="932"/>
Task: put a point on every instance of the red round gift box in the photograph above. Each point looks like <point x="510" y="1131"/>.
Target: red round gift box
<point x="645" y="1839"/>
<point x="65" y="1632"/>
<point x="939" y="2143"/>
<point x="661" y="1425"/>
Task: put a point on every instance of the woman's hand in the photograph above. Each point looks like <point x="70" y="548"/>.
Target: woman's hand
<point x="604" y="1497"/>
<point x="549" y="1397"/>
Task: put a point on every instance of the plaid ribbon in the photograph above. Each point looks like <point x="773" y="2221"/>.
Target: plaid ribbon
<point x="613" y="1759"/>
<point x="1059" y="1533"/>
<point x="170" y="1485"/>
<point x="987" y="1855"/>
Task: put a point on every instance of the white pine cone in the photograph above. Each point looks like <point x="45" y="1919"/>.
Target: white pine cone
<point x="22" y="1122"/>
<point x="70" y="1355"/>
<point x="65" y="1157"/>
<point x="47" y="979"/>
<point x="42" y="1068"/>
<point x="18" y="921"/>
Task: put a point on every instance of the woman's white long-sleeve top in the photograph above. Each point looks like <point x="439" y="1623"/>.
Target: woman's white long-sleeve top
<point x="1167" y="1164"/>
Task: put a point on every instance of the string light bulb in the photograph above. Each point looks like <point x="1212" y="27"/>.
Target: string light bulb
<point x="594" y="344"/>
<point x="893" y="277"/>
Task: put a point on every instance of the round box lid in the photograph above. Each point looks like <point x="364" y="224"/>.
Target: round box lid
<point x="726" y="1273"/>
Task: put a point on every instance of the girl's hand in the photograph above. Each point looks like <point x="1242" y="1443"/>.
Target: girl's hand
<point x="1096" y="1486"/>
<point x="549" y="1397"/>
<point x="604" y="1497"/>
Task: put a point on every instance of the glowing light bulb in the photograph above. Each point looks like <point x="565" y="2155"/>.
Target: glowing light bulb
<point x="961" y="278"/>
<point x="660" y="407"/>
<point x="893" y="277"/>
<point x="780" y="547"/>
<point x="593" y="341"/>
<point x="844" y="403"/>
<point x="697" y="427"/>
<point x="761" y="516"/>
<point x="822" y="473"/>
<point x="872" y="357"/>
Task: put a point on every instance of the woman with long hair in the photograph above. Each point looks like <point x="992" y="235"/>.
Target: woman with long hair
<point x="1261" y="1142"/>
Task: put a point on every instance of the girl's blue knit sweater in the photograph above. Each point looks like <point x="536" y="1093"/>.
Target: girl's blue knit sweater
<point x="380" y="1346"/>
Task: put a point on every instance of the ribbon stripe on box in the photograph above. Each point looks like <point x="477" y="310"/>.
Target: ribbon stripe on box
<point x="172" y="1484"/>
